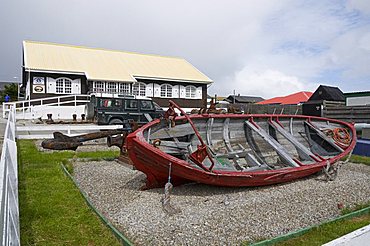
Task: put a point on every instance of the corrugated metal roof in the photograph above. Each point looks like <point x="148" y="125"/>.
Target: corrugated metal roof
<point x="243" y="99"/>
<point x="329" y="93"/>
<point x="108" y="65"/>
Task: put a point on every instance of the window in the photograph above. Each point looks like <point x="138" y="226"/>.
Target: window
<point x="67" y="86"/>
<point x="98" y="86"/>
<point x="138" y="89"/>
<point x="131" y="104"/>
<point x="59" y="85"/>
<point x="166" y="90"/>
<point x="190" y="91"/>
<point x="112" y="87"/>
<point x="63" y="86"/>
<point x="124" y="88"/>
<point x="146" y="105"/>
<point x="111" y="103"/>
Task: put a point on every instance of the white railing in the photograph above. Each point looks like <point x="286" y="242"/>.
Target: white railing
<point x="9" y="207"/>
<point x="27" y="106"/>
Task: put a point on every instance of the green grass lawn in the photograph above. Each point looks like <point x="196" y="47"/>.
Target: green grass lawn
<point x="326" y="233"/>
<point x="360" y="159"/>
<point x="52" y="211"/>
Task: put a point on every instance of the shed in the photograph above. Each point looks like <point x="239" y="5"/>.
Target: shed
<point x="243" y="99"/>
<point x="314" y="105"/>
<point x="328" y="93"/>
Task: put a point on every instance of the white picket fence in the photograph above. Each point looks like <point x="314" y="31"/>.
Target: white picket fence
<point x="9" y="206"/>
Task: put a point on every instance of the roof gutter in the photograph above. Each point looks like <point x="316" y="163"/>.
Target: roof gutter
<point x="172" y="79"/>
<point x="52" y="71"/>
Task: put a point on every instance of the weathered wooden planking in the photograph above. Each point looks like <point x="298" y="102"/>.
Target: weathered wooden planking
<point x="174" y="132"/>
<point x="175" y="144"/>
<point x="274" y="144"/>
<point x="302" y="150"/>
<point x="315" y="128"/>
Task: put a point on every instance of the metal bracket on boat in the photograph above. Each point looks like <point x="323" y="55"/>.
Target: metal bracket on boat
<point x="170" y="115"/>
<point x="201" y="153"/>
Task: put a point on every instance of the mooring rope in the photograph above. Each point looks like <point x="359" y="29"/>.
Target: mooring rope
<point x="331" y="171"/>
<point x="166" y="200"/>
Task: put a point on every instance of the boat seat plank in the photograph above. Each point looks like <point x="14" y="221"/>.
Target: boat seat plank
<point x="233" y="154"/>
<point x="174" y="132"/>
<point x="174" y="144"/>
<point x="274" y="144"/>
<point x="252" y="159"/>
<point x="323" y="136"/>
<point x="302" y="150"/>
<point x="172" y="151"/>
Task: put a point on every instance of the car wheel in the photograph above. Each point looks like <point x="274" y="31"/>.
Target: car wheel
<point x="116" y="122"/>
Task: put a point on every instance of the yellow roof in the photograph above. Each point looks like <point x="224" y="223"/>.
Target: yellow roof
<point x="108" y="65"/>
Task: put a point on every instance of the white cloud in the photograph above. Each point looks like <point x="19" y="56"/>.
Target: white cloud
<point x="300" y="42"/>
<point x="266" y="83"/>
<point x="360" y="5"/>
<point x="301" y="45"/>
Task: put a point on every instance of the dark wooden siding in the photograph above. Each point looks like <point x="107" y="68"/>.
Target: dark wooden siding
<point x="54" y="76"/>
<point x="85" y="89"/>
<point x="182" y="102"/>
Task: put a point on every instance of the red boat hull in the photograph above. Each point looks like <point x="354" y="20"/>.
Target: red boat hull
<point x="156" y="164"/>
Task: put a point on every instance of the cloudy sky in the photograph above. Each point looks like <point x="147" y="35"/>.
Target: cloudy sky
<point x="257" y="47"/>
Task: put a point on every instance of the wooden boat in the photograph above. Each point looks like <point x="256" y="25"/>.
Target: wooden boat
<point x="237" y="149"/>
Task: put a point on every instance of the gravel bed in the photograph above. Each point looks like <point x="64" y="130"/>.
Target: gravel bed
<point x="211" y="215"/>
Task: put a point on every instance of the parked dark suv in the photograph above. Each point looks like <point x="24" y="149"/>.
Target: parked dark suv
<point x="119" y="110"/>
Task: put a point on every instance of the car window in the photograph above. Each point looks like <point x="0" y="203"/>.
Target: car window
<point x="111" y="103"/>
<point x="157" y="107"/>
<point x="146" y="105"/>
<point x="131" y="104"/>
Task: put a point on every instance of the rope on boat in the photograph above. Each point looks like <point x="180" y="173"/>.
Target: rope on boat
<point x="331" y="171"/>
<point x="340" y="135"/>
<point x="166" y="200"/>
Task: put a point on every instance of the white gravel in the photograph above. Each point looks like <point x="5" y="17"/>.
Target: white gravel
<point x="217" y="215"/>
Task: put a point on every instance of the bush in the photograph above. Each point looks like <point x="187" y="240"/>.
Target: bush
<point x="11" y="90"/>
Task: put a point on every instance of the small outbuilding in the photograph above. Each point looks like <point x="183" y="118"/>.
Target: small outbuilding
<point x="315" y="104"/>
<point x="243" y="99"/>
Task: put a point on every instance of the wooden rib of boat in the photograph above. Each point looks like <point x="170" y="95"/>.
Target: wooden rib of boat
<point x="237" y="150"/>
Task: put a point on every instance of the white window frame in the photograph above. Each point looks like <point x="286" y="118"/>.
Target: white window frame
<point x="139" y="89"/>
<point x="98" y="86"/>
<point x="63" y="86"/>
<point x="111" y="87"/>
<point x="190" y="91"/>
<point x="166" y="90"/>
<point x="124" y="88"/>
